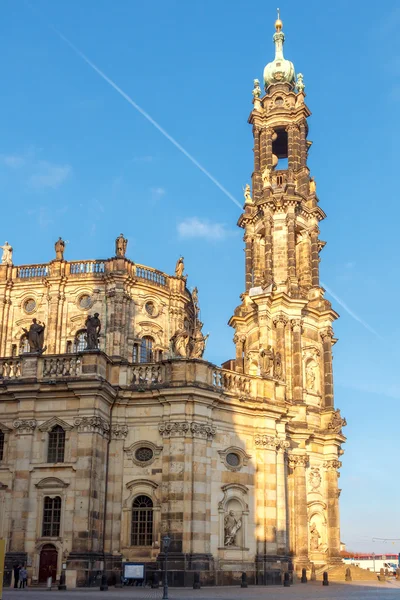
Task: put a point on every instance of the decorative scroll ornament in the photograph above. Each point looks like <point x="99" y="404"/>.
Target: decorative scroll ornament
<point x="25" y="425"/>
<point x="267" y="441"/>
<point x="186" y="429"/>
<point x="315" y="478"/>
<point x="337" y="422"/>
<point x="332" y="465"/>
<point x="119" y="431"/>
<point x="92" y="425"/>
<point x="297" y="460"/>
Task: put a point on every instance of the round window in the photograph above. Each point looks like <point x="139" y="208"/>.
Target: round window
<point x="84" y="301"/>
<point x="29" y="305"/>
<point x="144" y="454"/>
<point x="150" y="308"/>
<point x="233" y="459"/>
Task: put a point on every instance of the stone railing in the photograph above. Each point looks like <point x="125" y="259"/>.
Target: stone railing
<point x="87" y="266"/>
<point x="151" y="275"/>
<point x="168" y="373"/>
<point x="31" y="271"/>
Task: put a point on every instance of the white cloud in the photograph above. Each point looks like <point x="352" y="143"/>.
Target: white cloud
<point x="13" y="161"/>
<point x="194" y="227"/>
<point x="158" y="192"/>
<point x="49" y="175"/>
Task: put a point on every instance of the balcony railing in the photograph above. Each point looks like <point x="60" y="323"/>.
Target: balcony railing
<point x="151" y="275"/>
<point x="87" y="266"/>
<point x="31" y="271"/>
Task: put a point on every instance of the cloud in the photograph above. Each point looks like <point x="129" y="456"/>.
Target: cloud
<point x="49" y="175"/>
<point x="13" y="161"/>
<point x="157" y="192"/>
<point x="194" y="227"/>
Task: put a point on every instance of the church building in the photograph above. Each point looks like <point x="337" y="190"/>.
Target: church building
<point x="114" y="432"/>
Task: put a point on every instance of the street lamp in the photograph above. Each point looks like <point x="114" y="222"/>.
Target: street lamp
<point x="373" y="558"/>
<point x="166" y="542"/>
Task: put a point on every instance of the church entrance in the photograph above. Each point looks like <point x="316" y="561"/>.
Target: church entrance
<point x="48" y="563"/>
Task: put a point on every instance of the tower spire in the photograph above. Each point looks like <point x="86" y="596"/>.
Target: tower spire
<point x="279" y="70"/>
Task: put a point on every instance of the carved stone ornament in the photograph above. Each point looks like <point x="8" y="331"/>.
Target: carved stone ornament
<point x="296" y="325"/>
<point x="140" y="458"/>
<point x="48" y="425"/>
<point x="267" y="441"/>
<point x="186" y="429"/>
<point x="315" y="479"/>
<point x="119" y="431"/>
<point x="25" y="425"/>
<point x="234" y="458"/>
<point x="92" y="425"/>
<point x="332" y="465"/>
<point x="327" y="333"/>
<point x="337" y="422"/>
<point x="297" y="460"/>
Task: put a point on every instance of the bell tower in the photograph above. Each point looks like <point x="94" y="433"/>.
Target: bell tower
<point x="283" y="315"/>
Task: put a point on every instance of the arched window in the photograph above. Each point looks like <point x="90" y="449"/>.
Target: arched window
<point x="1" y="445"/>
<point x="80" y="341"/>
<point x="55" y="451"/>
<point x="24" y="344"/>
<point x="51" y="516"/>
<point x="146" y="350"/>
<point x="142" y="521"/>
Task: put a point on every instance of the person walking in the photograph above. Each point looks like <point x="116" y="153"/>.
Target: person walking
<point x="23" y="577"/>
<point x="16" y="570"/>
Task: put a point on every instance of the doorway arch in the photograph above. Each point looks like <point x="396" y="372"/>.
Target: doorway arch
<point x="48" y="563"/>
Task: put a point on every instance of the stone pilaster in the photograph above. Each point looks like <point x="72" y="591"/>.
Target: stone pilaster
<point x="332" y="500"/>
<point x="267" y="499"/>
<point x="248" y="239"/>
<point x="293" y="146"/>
<point x="115" y="486"/>
<point x="291" y="252"/>
<point x="327" y="335"/>
<point x="268" y="262"/>
<point x="314" y="257"/>
<point x="280" y="322"/>
<point x="239" y="341"/>
<point x="297" y="371"/>
<point x="297" y="463"/>
<point x="281" y="499"/>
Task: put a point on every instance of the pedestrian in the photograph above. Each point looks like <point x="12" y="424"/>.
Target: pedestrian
<point x="16" y="570"/>
<point x="23" y="577"/>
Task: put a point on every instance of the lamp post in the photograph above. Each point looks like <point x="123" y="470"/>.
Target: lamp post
<point x="166" y="543"/>
<point x="373" y="558"/>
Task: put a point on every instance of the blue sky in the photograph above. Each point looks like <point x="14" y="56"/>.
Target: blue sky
<point x="77" y="160"/>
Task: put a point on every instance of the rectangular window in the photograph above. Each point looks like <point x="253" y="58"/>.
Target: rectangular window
<point x="55" y="451"/>
<point x="51" y="517"/>
<point x="1" y="445"/>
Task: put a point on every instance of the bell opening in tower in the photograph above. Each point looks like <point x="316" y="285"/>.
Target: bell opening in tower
<point x="280" y="148"/>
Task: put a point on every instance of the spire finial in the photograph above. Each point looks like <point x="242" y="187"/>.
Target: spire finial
<point x="278" y="22"/>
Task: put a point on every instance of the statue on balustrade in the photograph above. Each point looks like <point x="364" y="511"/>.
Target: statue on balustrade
<point x="195" y="298"/>
<point x="59" y="247"/>
<point x="121" y="244"/>
<point x="198" y="344"/>
<point x="231" y="527"/>
<point x="93" y="328"/>
<point x="180" y="343"/>
<point x="35" y="336"/>
<point x="6" y="259"/>
<point x="179" y="268"/>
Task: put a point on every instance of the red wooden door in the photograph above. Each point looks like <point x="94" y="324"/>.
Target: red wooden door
<point x="48" y="563"/>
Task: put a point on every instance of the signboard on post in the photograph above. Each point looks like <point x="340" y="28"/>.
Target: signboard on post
<point x="133" y="570"/>
<point x="2" y="555"/>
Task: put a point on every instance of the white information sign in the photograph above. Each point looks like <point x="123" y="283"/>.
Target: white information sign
<point x="133" y="571"/>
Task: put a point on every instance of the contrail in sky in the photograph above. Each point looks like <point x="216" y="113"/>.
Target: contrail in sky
<point x="349" y="311"/>
<point x="147" y="116"/>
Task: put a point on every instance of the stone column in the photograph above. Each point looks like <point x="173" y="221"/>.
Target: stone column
<point x="291" y="252"/>
<point x="297" y="371"/>
<point x="303" y="144"/>
<point x="266" y="148"/>
<point x="51" y="331"/>
<point x="239" y="341"/>
<point x="268" y="273"/>
<point x="293" y="146"/>
<point x="258" y="261"/>
<point x="314" y="257"/>
<point x="257" y="181"/>
<point x="332" y="500"/>
<point x="267" y="493"/>
<point x="280" y="322"/>
<point x="327" y="335"/>
<point x="304" y="260"/>
<point x="281" y="500"/>
<point x="248" y="239"/>
<point x="298" y="463"/>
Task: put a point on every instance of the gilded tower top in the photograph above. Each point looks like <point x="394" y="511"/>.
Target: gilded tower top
<point x="279" y="70"/>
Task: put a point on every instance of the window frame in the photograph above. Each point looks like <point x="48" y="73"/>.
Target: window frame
<point x="142" y="527"/>
<point x="54" y="524"/>
<point x="59" y="450"/>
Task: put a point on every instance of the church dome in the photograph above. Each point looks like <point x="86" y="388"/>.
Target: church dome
<point x="279" y="70"/>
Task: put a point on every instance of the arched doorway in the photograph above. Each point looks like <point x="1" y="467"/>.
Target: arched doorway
<point x="48" y="563"/>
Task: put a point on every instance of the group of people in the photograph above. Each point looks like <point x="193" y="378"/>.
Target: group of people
<point x="20" y="576"/>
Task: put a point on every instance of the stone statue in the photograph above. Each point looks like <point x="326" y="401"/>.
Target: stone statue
<point x="59" y="248"/>
<point x="266" y="178"/>
<point x="256" y="90"/>
<point x="121" y="244"/>
<point x="310" y="377"/>
<point x="278" y="371"/>
<point x="267" y="360"/>
<point x="313" y="186"/>
<point x="198" y="344"/>
<point x="93" y="328"/>
<point x="179" y="268"/>
<point x="6" y="259"/>
<point x="195" y="298"/>
<point x="179" y="343"/>
<point x="314" y="537"/>
<point x="231" y="527"/>
<point x="36" y="337"/>
<point x="300" y="83"/>
<point x="247" y="195"/>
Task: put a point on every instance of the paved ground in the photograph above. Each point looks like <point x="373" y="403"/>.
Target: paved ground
<point x="309" y="591"/>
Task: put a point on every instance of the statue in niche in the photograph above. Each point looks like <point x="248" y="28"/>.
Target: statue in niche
<point x="310" y="376"/>
<point x="36" y="337"/>
<point x="266" y="178"/>
<point x="231" y="527"/>
<point x="313" y="186"/>
<point x="247" y="194"/>
<point x="179" y="343"/>
<point x="179" y="268"/>
<point x="314" y="537"/>
<point x="278" y="371"/>
<point x="6" y="259"/>
<point x="59" y="247"/>
<point x="121" y="244"/>
<point x="93" y="328"/>
<point x="267" y="360"/>
<point x="256" y="90"/>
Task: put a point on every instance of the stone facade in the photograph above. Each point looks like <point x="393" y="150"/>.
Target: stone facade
<point x="105" y="451"/>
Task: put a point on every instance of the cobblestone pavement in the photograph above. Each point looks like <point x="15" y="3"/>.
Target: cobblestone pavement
<point x="309" y="591"/>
